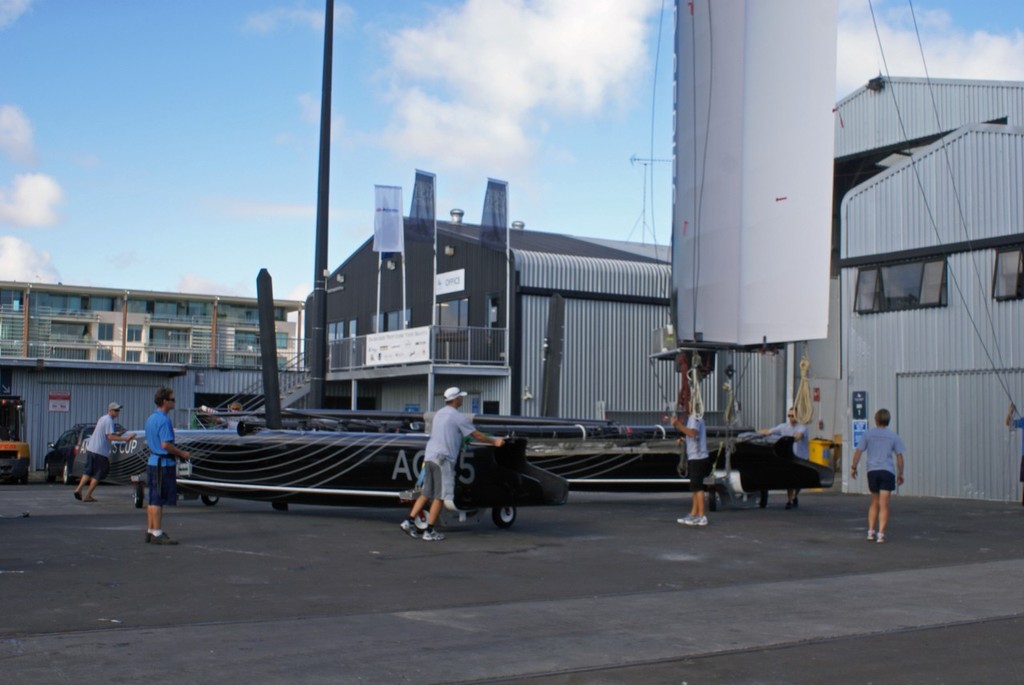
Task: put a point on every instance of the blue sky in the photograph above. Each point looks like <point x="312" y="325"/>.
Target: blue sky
<point x="174" y="145"/>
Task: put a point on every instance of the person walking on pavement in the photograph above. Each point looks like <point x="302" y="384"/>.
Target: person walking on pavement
<point x="97" y="452"/>
<point x="449" y="428"/>
<point x="1017" y="423"/>
<point x="698" y="466"/>
<point x="884" y="474"/>
<point x="801" y="450"/>
<point x="161" y="470"/>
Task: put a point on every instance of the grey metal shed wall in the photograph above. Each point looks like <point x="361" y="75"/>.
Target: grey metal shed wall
<point x="90" y="393"/>
<point x="889" y="213"/>
<point x="885" y="353"/>
<point x="957" y="444"/>
<point x="605" y="358"/>
<point x="868" y="119"/>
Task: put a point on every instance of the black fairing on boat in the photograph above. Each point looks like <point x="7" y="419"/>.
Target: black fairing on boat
<point x="768" y="463"/>
<point x="503" y="476"/>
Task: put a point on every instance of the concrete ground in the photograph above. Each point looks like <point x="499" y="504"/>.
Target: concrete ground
<point x="607" y="589"/>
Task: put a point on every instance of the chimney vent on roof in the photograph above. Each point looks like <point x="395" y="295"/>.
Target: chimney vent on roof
<point x="457" y="215"/>
<point x="518" y="225"/>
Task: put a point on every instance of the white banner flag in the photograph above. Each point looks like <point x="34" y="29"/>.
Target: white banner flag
<point x="388" y="228"/>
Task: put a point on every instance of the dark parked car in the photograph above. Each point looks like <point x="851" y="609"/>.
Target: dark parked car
<point x="66" y="458"/>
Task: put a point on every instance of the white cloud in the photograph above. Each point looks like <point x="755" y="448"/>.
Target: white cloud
<point x="19" y="261"/>
<point x="194" y="283"/>
<point x="16" y="134"/>
<point x="949" y="52"/>
<point x="469" y="85"/>
<point x="10" y="10"/>
<point x="272" y="20"/>
<point x="31" y="202"/>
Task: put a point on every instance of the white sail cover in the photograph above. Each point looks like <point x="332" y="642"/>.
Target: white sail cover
<point x="752" y="216"/>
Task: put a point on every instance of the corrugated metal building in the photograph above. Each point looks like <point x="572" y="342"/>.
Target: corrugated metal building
<point x="931" y="276"/>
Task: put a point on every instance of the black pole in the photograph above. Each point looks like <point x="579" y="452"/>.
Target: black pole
<point x="268" y="349"/>
<point x="318" y="317"/>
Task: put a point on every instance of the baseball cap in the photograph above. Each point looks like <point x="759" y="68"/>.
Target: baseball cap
<point x="453" y="392"/>
<point x="113" y="405"/>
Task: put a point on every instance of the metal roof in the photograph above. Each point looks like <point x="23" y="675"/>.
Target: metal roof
<point x="897" y="112"/>
<point x="563" y="244"/>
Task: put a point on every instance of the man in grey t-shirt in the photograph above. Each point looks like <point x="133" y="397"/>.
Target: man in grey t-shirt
<point x="449" y="428"/>
<point x="97" y="452"/>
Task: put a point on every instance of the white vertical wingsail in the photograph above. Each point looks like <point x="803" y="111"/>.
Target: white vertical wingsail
<point x="752" y="216"/>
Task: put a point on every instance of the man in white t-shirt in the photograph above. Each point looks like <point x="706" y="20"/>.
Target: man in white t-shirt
<point x="97" y="452"/>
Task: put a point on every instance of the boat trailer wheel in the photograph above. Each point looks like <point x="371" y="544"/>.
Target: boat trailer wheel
<point x="421" y="521"/>
<point x="504" y="516"/>
<point x="138" y="494"/>
<point x="209" y="500"/>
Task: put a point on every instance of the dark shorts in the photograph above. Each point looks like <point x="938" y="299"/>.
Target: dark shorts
<point x="697" y="470"/>
<point x="162" y="482"/>
<point x="881" y="480"/>
<point x="96" y="465"/>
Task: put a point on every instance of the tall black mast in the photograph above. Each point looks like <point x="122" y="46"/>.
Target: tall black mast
<point x="318" y="317"/>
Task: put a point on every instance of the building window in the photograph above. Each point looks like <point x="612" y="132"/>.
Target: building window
<point x="453" y="313"/>
<point x="133" y="355"/>
<point x="103" y="354"/>
<point x="133" y="333"/>
<point x="105" y="331"/>
<point x="493" y="311"/>
<point x="352" y="328"/>
<point x="912" y="285"/>
<point x="1008" y="280"/>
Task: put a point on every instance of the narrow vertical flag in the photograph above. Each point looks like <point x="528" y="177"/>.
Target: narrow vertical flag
<point x="421" y="213"/>
<point x="494" y="222"/>
<point x="387" y="220"/>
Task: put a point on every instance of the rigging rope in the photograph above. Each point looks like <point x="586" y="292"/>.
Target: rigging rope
<point x="802" y="404"/>
<point x="696" y="399"/>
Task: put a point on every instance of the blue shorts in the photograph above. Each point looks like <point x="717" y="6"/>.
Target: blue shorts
<point x="162" y="482"/>
<point x="697" y="470"/>
<point x="96" y="465"/>
<point x="881" y="480"/>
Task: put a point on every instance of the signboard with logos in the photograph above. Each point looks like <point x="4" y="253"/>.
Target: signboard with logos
<point x="408" y="346"/>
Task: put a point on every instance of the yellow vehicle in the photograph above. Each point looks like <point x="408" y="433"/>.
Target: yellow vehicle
<point x="14" y="452"/>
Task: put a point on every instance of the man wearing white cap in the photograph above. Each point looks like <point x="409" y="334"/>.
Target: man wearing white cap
<point x="97" y="452"/>
<point x="443" y="447"/>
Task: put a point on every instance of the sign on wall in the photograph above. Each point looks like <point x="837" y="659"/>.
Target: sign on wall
<point x="450" y="282"/>
<point x="59" y="400"/>
<point x="409" y="346"/>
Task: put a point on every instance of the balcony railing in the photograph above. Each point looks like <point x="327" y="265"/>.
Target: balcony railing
<point x="447" y="345"/>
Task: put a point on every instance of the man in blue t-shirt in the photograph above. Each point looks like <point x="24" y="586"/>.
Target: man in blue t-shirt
<point x="1017" y="423"/>
<point x="161" y="469"/>
<point x="884" y="473"/>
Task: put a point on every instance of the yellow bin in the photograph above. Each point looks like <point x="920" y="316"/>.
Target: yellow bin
<point x="821" y="451"/>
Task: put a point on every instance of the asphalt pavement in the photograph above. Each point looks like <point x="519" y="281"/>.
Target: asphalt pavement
<point x="606" y="589"/>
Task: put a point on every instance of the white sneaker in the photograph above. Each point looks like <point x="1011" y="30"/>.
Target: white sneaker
<point x="685" y="521"/>
<point x="432" y="536"/>
<point x="700" y="521"/>
<point x="871" y="536"/>
<point x="409" y="528"/>
<point x="881" y="538"/>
